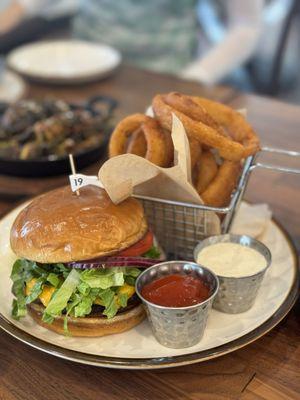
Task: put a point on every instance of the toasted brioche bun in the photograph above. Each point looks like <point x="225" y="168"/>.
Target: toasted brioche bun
<point x="90" y="326"/>
<point x="60" y="226"/>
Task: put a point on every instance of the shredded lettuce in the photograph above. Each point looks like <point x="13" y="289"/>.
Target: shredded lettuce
<point x="22" y="272"/>
<point x="153" y="252"/>
<point x="35" y="291"/>
<point x="47" y="318"/>
<point x="103" y="278"/>
<point x="75" y="291"/>
<point x="109" y="301"/>
<point x="122" y="299"/>
<point x="53" y="279"/>
<point x="83" y="288"/>
<point x="84" y="307"/>
<point x="131" y="271"/>
<point x="61" y="297"/>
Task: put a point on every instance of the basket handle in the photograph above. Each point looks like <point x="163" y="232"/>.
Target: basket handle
<point x="272" y="167"/>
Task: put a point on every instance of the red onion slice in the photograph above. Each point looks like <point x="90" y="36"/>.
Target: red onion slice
<point x="110" y="262"/>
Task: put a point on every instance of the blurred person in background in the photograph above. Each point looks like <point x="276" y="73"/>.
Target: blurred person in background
<point x="23" y="21"/>
<point x="210" y="41"/>
<point x="176" y="36"/>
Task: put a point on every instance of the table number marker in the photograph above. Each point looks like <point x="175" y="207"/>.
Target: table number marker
<point x="77" y="181"/>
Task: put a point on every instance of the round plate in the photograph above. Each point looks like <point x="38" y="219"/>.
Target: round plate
<point x="64" y="61"/>
<point x="137" y="348"/>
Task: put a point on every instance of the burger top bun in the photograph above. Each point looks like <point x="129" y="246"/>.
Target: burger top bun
<point x="60" y="226"/>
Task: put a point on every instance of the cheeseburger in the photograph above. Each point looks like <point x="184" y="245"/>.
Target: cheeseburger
<point x="78" y="259"/>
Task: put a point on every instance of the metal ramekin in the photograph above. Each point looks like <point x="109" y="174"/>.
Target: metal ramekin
<point x="237" y="295"/>
<point x="178" y="327"/>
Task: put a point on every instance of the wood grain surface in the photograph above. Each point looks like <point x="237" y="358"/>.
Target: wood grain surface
<point x="267" y="369"/>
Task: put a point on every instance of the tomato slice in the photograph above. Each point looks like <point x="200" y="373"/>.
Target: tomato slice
<point x="139" y="248"/>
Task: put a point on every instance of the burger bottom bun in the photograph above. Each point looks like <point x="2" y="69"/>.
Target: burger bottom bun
<point x="90" y="326"/>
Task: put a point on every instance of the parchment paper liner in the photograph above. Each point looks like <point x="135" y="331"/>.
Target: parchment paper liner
<point x="128" y="174"/>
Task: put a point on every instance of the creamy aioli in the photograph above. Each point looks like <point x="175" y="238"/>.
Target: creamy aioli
<point x="231" y="259"/>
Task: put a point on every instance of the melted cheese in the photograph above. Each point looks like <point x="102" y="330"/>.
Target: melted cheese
<point x="46" y="294"/>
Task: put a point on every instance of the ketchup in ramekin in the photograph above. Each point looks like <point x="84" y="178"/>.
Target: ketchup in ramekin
<point x="177" y="296"/>
<point x="176" y="291"/>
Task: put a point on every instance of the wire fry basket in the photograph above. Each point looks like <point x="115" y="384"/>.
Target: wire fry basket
<point x="179" y="226"/>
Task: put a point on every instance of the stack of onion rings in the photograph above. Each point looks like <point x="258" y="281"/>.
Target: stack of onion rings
<point x="219" y="137"/>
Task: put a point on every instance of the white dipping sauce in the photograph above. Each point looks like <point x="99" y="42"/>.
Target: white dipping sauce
<point x="231" y="259"/>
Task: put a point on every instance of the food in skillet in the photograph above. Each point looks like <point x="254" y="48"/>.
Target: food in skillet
<point x="78" y="259"/>
<point x="220" y="139"/>
<point x="48" y="129"/>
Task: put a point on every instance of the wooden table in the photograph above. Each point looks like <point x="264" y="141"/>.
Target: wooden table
<point x="267" y="369"/>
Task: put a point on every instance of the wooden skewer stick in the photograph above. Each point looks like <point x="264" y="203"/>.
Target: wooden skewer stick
<point x="73" y="169"/>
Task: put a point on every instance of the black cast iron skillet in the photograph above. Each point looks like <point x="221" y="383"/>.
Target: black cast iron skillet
<point x="49" y="166"/>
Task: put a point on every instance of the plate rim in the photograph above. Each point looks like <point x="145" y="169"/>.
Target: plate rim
<point x="173" y="361"/>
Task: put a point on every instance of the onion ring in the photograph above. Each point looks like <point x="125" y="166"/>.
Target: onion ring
<point x="197" y="112"/>
<point x="207" y="170"/>
<point x="169" y="149"/>
<point x="123" y="131"/>
<point x="236" y="125"/>
<point x="195" y="151"/>
<point x="228" y="148"/>
<point x="219" y="191"/>
<point x="137" y="144"/>
<point x="156" y="143"/>
<point x="159" y="148"/>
